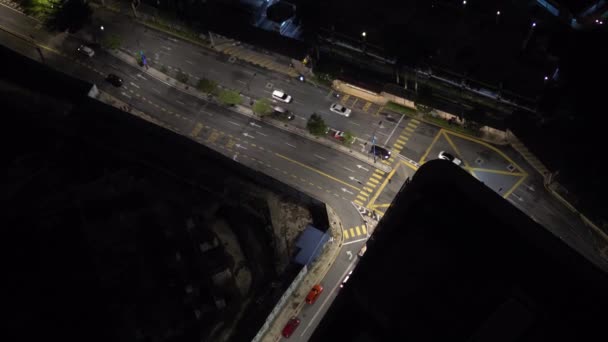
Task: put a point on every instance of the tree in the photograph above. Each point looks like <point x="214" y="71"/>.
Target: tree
<point x="207" y="86"/>
<point x="316" y="125"/>
<point x="230" y="97"/>
<point x="349" y="138"/>
<point x="262" y="107"/>
<point x="71" y="15"/>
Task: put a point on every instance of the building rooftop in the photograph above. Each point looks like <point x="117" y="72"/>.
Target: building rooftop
<point x="453" y="261"/>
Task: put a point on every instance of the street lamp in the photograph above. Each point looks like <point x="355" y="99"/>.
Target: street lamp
<point x="363" y="34"/>
<point x="101" y="27"/>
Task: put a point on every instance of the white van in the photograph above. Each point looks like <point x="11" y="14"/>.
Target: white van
<point x="281" y="96"/>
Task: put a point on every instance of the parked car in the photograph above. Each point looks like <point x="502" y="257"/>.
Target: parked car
<point x="446" y="156"/>
<point x="282" y="113"/>
<point x="291" y="326"/>
<point x="85" y="50"/>
<point x="339" y="135"/>
<point x="380" y="152"/>
<point x="114" y="80"/>
<point x="314" y="294"/>
<point x="279" y="95"/>
<point x="340" y="109"/>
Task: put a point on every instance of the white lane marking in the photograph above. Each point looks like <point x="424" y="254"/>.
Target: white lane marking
<point x="206" y="112"/>
<point x="234" y="123"/>
<point x="180" y="102"/>
<point x="354" y="123"/>
<point x="189" y="62"/>
<point x="301" y="117"/>
<point x="318" y="156"/>
<point x="125" y="94"/>
<point x="140" y="76"/>
<point x="290" y="145"/>
<point x="173" y="39"/>
<point x="349" y="242"/>
<point x="262" y="134"/>
<point x="135" y="85"/>
<point x="298" y="102"/>
<point x="241" y="81"/>
<point x="166" y="47"/>
<point x="344" y="167"/>
<point x="156" y="90"/>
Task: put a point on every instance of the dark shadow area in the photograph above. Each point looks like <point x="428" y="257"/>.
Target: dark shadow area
<point x="453" y="261"/>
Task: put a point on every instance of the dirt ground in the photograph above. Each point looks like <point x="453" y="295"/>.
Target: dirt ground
<point x="288" y="220"/>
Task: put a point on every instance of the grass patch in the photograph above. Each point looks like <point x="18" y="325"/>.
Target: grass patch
<point x="112" y="42"/>
<point x="322" y="79"/>
<point x="184" y="33"/>
<point x="182" y="77"/>
<point x="411" y="112"/>
<point x="207" y="86"/>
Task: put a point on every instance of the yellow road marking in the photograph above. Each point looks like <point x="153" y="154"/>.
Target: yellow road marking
<point x="345" y="98"/>
<point x="345" y="233"/>
<point x="409" y="129"/>
<point x="317" y="171"/>
<point x="376" y="176"/>
<point x="358" y="230"/>
<point x="352" y="232"/>
<point x="399" y="141"/>
<point x="508" y="193"/>
<point x="364" y="229"/>
<point x="378" y="111"/>
<point x="367" y="189"/>
<point x="197" y="129"/>
<point x="366" y="106"/>
<point x="385" y="205"/>
<point x="458" y="153"/>
<point x="398" y="146"/>
<point x="373" y="181"/>
<point x="361" y="198"/>
<point x="364" y="193"/>
<point x="358" y="203"/>
<point x="500" y="172"/>
<point x="356" y="99"/>
<point x="415" y="121"/>
<point x="390" y="175"/>
<point x="490" y="147"/>
<point x="428" y="149"/>
<point x="370" y="184"/>
<point x="409" y="165"/>
<point x="380" y="172"/>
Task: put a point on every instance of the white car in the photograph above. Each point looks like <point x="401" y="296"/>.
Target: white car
<point x="340" y="109"/>
<point x="281" y="96"/>
<point x="446" y="156"/>
<point x="85" y="50"/>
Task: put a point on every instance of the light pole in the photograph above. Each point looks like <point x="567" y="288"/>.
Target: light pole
<point x="374" y="140"/>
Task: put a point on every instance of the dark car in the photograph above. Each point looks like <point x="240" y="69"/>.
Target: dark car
<point x="114" y="80"/>
<point x="290" y="327"/>
<point x="380" y="152"/>
<point x="282" y="113"/>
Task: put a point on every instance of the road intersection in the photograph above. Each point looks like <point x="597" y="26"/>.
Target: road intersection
<point x="325" y="173"/>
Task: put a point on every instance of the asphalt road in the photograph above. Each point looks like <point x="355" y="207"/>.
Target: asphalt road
<point x="322" y="172"/>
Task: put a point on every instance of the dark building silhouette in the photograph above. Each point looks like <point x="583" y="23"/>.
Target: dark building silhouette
<point x="453" y="261"/>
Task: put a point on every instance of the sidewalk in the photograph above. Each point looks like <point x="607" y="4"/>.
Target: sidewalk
<point x="314" y="276"/>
